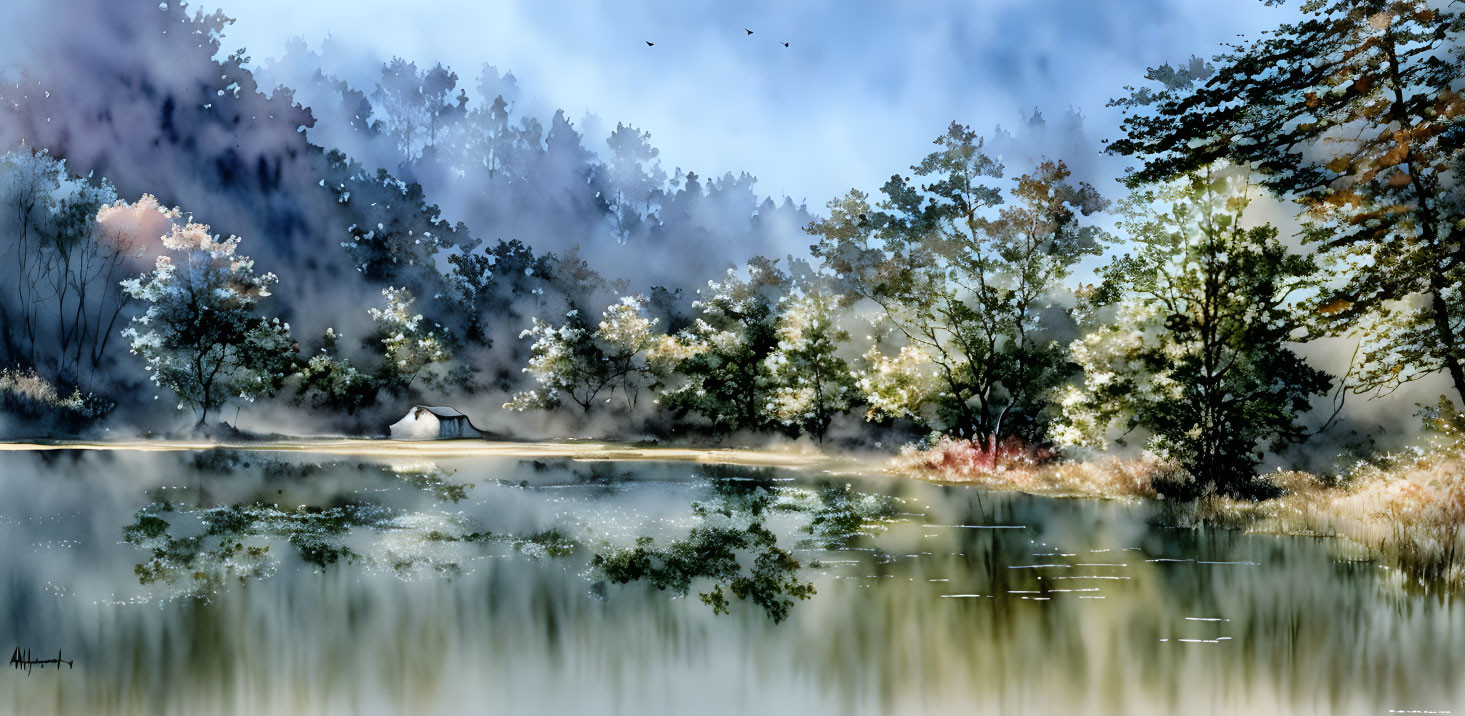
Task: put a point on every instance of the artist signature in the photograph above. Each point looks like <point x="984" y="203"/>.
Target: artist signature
<point x="22" y="659"/>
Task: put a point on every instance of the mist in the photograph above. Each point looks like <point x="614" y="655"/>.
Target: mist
<point x="496" y="195"/>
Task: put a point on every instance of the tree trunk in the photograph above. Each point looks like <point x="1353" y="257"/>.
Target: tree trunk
<point x="1428" y="230"/>
<point x="1448" y="341"/>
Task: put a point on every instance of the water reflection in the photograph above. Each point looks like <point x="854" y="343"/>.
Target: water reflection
<point x="196" y="547"/>
<point x="252" y="582"/>
<point x="731" y="547"/>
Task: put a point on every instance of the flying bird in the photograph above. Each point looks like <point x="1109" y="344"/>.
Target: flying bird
<point x="747" y="31"/>
<point x="785" y="44"/>
<point x="650" y="43"/>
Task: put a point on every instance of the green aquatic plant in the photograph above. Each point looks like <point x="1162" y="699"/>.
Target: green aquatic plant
<point x="552" y="543"/>
<point x="735" y="550"/>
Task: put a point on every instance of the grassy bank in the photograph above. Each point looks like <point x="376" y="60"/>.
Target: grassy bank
<point x="792" y="457"/>
<point x="1406" y="510"/>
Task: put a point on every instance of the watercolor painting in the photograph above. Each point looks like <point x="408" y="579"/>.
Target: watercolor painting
<point x="669" y="357"/>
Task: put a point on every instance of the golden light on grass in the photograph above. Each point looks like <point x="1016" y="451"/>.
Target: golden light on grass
<point x="1406" y="510"/>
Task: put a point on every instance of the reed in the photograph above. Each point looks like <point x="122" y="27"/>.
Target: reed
<point x="1405" y="510"/>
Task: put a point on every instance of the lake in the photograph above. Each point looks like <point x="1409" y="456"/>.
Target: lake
<point x="268" y="582"/>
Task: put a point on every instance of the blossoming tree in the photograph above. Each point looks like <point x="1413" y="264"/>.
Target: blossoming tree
<point x="582" y="362"/>
<point x="410" y="350"/>
<point x="725" y="377"/>
<point x="201" y="335"/>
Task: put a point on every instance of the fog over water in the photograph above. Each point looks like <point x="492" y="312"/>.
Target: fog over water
<point x="233" y="582"/>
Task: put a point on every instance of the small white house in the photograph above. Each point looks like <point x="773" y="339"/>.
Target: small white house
<point x="427" y="422"/>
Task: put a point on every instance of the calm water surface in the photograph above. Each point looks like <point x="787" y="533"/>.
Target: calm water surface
<point x="240" y="582"/>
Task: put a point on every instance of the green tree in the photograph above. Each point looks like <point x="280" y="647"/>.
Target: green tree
<point x="963" y="285"/>
<point x="635" y="180"/>
<point x="330" y="381"/>
<point x="1193" y="346"/>
<point x="1353" y="112"/>
<point x="494" y="285"/>
<point x="810" y="382"/>
<point x="721" y="357"/>
<point x="582" y="362"/>
<point x="565" y="362"/>
<point x="410" y="350"/>
<point x="201" y="336"/>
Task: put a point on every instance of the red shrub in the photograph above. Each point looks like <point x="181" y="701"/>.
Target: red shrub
<point x="965" y="458"/>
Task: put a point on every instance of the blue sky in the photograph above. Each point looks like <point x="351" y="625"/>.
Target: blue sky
<point x="859" y="93"/>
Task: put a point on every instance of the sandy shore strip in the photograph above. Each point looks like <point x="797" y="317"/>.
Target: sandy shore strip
<point x="580" y="451"/>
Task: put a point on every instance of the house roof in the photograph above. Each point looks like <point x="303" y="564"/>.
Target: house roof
<point x="441" y="411"/>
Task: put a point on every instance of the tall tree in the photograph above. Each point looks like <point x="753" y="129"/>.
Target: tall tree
<point x="63" y="266"/>
<point x="400" y="105"/>
<point x="963" y="285"/>
<point x="440" y="107"/>
<point x="811" y="382"/>
<point x="1355" y="113"/>
<point x="570" y="168"/>
<point x="635" y="179"/>
<point x="723" y="354"/>
<point x="201" y="336"/>
<point x="1192" y="342"/>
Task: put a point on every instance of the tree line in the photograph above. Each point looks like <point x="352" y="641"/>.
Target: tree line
<point x="945" y="303"/>
<point x="1353" y="114"/>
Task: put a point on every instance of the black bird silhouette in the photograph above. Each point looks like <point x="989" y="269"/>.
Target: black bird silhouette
<point x="785" y="44"/>
<point x="747" y="31"/>
<point x="650" y="43"/>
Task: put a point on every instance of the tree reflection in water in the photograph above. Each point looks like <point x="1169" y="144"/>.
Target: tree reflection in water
<point x="196" y="547"/>
<point x="734" y="549"/>
<point x="437" y="606"/>
<point x="731" y="547"/>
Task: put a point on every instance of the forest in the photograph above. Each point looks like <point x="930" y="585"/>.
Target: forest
<point x="227" y="249"/>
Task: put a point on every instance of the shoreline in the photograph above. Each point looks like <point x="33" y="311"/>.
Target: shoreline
<point x="586" y="451"/>
<point x="1406" y="511"/>
<point x="1397" y="514"/>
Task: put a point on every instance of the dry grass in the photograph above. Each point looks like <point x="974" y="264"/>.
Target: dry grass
<point x="1405" y="510"/>
<point x="1012" y="467"/>
<point x="26" y="392"/>
<point x="1408" y="511"/>
<point x="28" y="385"/>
